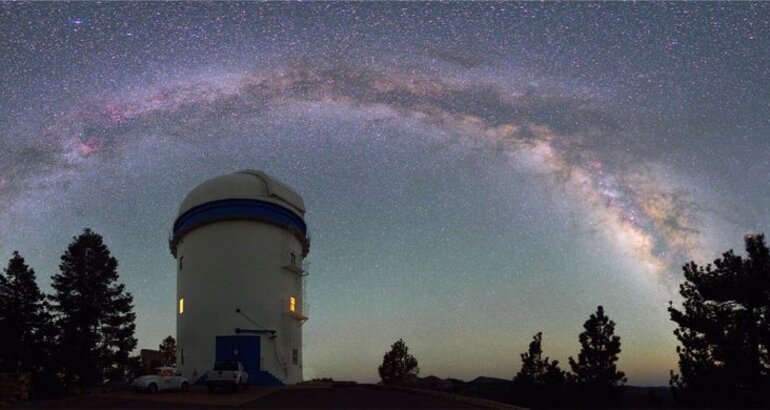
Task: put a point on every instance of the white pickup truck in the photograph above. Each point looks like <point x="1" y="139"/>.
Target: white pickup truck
<point x="227" y="375"/>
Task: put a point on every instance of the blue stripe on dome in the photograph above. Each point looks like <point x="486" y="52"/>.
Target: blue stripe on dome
<point x="230" y="209"/>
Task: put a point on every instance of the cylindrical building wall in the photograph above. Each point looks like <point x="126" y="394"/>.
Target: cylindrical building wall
<point x="239" y="278"/>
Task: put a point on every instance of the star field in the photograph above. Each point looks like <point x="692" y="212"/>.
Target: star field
<point x="474" y="172"/>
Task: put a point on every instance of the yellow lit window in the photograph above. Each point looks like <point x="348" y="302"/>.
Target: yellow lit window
<point x="181" y="306"/>
<point x="292" y="304"/>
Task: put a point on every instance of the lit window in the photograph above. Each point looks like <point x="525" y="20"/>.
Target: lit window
<point x="292" y="304"/>
<point x="181" y="306"/>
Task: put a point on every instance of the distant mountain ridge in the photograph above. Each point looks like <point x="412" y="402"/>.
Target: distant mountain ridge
<point x="497" y="389"/>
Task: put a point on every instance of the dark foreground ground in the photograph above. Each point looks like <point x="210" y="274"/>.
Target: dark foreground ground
<point x="352" y="397"/>
<point x="290" y="397"/>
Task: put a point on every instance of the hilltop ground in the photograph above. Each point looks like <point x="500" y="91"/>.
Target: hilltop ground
<point x="483" y="392"/>
<point x="287" y="397"/>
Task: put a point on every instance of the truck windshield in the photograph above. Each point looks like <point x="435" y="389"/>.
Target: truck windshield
<point x="226" y="366"/>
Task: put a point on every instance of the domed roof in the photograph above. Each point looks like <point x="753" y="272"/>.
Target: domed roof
<point x="246" y="184"/>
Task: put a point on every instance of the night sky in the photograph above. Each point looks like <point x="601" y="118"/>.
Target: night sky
<point x="474" y="172"/>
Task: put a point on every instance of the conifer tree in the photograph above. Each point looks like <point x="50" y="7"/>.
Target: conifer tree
<point x="595" y="373"/>
<point x="94" y="314"/>
<point x="724" y="330"/>
<point x="540" y="382"/>
<point x="168" y="349"/>
<point x="534" y="368"/>
<point x="398" y="366"/>
<point x="24" y="320"/>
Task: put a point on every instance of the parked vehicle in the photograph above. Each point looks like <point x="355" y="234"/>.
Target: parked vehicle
<point x="227" y="375"/>
<point x="163" y="378"/>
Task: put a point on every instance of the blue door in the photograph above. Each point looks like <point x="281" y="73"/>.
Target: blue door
<point x="245" y="349"/>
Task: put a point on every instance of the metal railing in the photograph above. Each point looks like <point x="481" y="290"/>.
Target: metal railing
<point x="297" y="265"/>
<point x="304" y="306"/>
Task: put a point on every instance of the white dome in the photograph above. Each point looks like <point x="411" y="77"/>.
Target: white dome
<point x="246" y="184"/>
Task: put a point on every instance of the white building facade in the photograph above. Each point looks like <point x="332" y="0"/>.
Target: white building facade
<point x="240" y="241"/>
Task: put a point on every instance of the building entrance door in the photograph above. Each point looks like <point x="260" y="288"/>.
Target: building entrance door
<point x="245" y="349"/>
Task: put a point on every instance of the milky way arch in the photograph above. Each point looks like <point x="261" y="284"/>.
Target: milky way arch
<point x="565" y="137"/>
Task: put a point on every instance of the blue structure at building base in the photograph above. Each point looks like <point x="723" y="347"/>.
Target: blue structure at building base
<point x="260" y="378"/>
<point x="246" y="350"/>
<point x="264" y="378"/>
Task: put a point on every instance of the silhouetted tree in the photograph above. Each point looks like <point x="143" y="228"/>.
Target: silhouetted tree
<point x="540" y="382"/>
<point x="532" y="364"/>
<point x="398" y="366"/>
<point x="94" y="314"/>
<point x="23" y="318"/>
<point x="594" y="374"/>
<point x="168" y="349"/>
<point x="25" y="326"/>
<point x="724" y="330"/>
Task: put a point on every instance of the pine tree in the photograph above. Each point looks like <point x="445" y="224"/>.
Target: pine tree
<point x="93" y="312"/>
<point x="724" y="330"/>
<point x="24" y="320"/>
<point x="534" y="368"/>
<point x="595" y="372"/>
<point x="540" y="382"/>
<point x="168" y="349"/>
<point x="398" y="366"/>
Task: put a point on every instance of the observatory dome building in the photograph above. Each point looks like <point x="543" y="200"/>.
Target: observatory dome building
<point x="240" y="241"/>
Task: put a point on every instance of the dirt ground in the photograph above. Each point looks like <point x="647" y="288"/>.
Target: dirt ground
<point x="352" y="397"/>
<point x="287" y="397"/>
